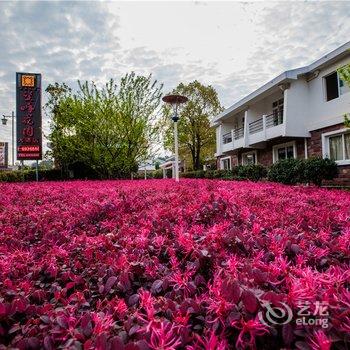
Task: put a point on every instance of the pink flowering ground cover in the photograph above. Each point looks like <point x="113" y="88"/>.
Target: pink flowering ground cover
<point x="154" y="265"/>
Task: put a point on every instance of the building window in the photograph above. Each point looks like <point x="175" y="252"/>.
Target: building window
<point x="335" y="86"/>
<point x="249" y="158"/>
<point x="226" y="163"/>
<point x="284" y="151"/>
<point x="338" y="147"/>
<point x="227" y="138"/>
<point x="277" y="111"/>
<point x="332" y="90"/>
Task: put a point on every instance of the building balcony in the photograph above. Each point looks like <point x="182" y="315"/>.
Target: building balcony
<point x="259" y="130"/>
<point x="265" y="128"/>
<point x="233" y="139"/>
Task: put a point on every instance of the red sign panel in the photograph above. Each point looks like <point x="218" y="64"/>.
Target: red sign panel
<point x="29" y="134"/>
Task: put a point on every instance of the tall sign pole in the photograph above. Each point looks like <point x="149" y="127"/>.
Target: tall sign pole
<point x="29" y="119"/>
<point x="13" y="138"/>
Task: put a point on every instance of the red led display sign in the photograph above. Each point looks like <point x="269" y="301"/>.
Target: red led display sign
<point x="28" y="98"/>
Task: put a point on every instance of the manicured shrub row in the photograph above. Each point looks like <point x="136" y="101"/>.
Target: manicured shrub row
<point x="57" y="174"/>
<point x="140" y="265"/>
<point x="247" y="172"/>
<point x="289" y="171"/>
<point x="157" y="174"/>
<point x="293" y="171"/>
<point x="30" y="175"/>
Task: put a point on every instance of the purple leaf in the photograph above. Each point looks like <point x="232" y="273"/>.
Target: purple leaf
<point x="300" y="345"/>
<point x="110" y="283"/>
<point x="48" y="343"/>
<point x="156" y="286"/>
<point x="132" y="346"/>
<point x="249" y="301"/>
<point x="287" y="333"/>
<point x="62" y="321"/>
<point x="116" y="344"/>
<point x="231" y="291"/>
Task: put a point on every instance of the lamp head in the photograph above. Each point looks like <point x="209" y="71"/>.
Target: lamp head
<point x="4" y="120"/>
<point x="175" y="101"/>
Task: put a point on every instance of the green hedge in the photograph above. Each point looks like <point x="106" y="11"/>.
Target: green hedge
<point x="30" y="175"/>
<point x="155" y="174"/>
<point x="251" y="172"/>
<point x="288" y="171"/>
<point x="317" y="169"/>
<point x="313" y="170"/>
<point x="242" y="172"/>
<point x="57" y="174"/>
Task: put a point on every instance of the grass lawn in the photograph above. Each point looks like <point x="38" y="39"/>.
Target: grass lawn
<point x="156" y="265"/>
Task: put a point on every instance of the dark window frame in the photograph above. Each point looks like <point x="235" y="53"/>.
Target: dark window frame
<point x="331" y="83"/>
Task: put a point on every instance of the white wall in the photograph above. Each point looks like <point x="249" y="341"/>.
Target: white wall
<point x="218" y="140"/>
<point x="229" y="123"/>
<point x="307" y="108"/>
<point x="264" y="106"/>
<point x="297" y="108"/>
<point x="227" y="126"/>
<point x="324" y="113"/>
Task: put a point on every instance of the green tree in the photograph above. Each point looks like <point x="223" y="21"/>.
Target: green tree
<point x="344" y="75"/>
<point x="60" y="148"/>
<point x="108" y="130"/>
<point x="196" y="137"/>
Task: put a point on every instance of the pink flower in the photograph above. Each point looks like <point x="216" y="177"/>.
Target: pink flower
<point x="164" y="336"/>
<point x="94" y="264"/>
<point x="320" y="341"/>
<point x="249" y="331"/>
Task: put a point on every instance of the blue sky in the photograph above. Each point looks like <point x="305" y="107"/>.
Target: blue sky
<point x="234" y="46"/>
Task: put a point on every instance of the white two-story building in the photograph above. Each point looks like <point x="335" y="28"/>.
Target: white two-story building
<point x="298" y="114"/>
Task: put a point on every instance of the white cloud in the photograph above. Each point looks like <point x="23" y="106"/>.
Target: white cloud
<point x="233" y="46"/>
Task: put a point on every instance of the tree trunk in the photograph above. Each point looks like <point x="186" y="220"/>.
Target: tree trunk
<point x="197" y="164"/>
<point x="193" y="154"/>
<point x="196" y="159"/>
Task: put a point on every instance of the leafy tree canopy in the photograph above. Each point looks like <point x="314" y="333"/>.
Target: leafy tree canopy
<point x="107" y="130"/>
<point x="344" y="75"/>
<point x="196" y="137"/>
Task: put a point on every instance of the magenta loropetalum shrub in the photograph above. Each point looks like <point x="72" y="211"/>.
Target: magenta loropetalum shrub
<point x="155" y="265"/>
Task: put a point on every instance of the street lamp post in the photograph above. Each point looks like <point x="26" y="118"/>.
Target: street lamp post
<point x="175" y="101"/>
<point x="4" y="122"/>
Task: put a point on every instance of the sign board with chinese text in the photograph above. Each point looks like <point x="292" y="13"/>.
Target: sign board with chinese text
<point x="3" y="154"/>
<point x="29" y="134"/>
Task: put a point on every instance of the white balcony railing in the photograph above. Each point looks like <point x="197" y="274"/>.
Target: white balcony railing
<point x="256" y="126"/>
<point x="265" y="122"/>
<point x="238" y="133"/>
<point x="264" y="128"/>
<point x="274" y="119"/>
<point x="233" y="139"/>
<point x="227" y="138"/>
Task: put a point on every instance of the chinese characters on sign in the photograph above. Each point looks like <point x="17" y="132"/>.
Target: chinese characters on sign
<point x="29" y="138"/>
<point x="3" y="154"/>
